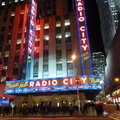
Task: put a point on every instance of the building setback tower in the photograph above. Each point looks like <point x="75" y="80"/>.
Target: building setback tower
<point x="109" y="17"/>
<point x="38" y="54"/>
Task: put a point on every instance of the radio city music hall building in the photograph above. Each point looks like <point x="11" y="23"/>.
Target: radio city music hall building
<point x="38" y="39"/>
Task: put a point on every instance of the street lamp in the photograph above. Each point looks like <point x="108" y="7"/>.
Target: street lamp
<point x="117" y="79"/>
<point x="77" y="79"/>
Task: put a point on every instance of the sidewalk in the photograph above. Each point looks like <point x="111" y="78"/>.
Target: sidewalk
<point x="90" y="113"/>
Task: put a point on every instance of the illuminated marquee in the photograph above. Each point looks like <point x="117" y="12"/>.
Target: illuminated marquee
<point x="30" y="38"/>
<point x="83" y="38"/>
<point x="64" y="84"/>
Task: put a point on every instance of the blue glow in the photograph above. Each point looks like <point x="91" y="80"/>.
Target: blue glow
<point x="80" y="42"/>
<point x="53" y="88"/>
<point x="5" y="101"/>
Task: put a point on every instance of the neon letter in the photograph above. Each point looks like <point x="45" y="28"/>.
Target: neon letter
<point x="65" y="81"/>
<point x="31" y="84"/>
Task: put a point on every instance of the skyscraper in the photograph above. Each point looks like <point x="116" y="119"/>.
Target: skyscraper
<point x="109" y="18"/>
<point x="38" y="54"/>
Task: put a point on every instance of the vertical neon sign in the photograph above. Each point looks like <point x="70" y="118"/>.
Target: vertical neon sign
<point x="83" y="39"/>
<point x="30" y="39"/>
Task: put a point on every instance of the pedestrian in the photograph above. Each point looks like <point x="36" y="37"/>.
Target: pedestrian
<point x="100" y="107"/>
<point x="71" y="110"/>
<point x="117" y="106"/>
<point x="44" y="109"/>
<point x="97" y="108"/>
<point x="85" y="108"/>
<point x="3" y="111"/>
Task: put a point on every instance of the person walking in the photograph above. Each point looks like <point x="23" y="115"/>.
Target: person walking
<point x="117" y="106"/>
<point x="71" y="110"/>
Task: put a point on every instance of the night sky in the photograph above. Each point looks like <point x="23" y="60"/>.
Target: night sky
<point x="93" y="22"/>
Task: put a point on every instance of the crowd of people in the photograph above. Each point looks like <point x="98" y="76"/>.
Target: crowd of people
<point x="7" y="110"/>
<point x="44" y="109"/>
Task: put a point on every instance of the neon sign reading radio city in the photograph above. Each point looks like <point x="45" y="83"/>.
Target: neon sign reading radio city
<point x="49" y="83"/>
<point x="82" y="27"/>
<point x="32" y="24"/>
<point x="55" y="82"/>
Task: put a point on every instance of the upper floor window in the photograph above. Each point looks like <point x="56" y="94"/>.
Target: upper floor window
<point x="16" y="0"/>
<point x="3" y="3"/>
<point x="67" y="22"/>
<point x="46" y="26"/>
<point x="58" y="24"/>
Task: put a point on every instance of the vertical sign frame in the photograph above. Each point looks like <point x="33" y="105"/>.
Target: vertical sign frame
<point x="31" y="27"/>
<point x="85" y="53"/>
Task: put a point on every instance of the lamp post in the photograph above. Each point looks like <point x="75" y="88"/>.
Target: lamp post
<point x="77" y="79"/>
<point x="117" y="79"/>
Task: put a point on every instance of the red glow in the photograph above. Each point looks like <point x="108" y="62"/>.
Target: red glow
<point x="81" y="19"/>
<point x="84" y="47"/>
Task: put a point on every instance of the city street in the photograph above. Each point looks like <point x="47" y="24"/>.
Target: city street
<point x="56" y="118"/>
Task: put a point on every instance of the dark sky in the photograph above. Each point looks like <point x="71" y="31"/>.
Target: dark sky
<point x="93" y="22"/>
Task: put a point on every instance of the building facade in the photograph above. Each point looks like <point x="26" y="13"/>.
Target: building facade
<point x="98" y="64"/>
<point x="38" y="54"/>
<point x="110" y="15"/>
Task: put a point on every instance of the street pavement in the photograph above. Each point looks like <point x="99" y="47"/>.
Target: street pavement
<point x="56" y="118"/>
<point x="115" y="115"/>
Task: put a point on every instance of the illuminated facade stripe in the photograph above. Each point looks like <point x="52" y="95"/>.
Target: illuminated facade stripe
<point x="83" y="39"/>
<point x="30" y="39"/>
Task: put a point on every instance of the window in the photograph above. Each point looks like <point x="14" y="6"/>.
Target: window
<point x="58" y="24"/>
<point x="59" y="60"/>
<point x="59" y="66"/>
<point x="35" y="68"/>
<point x="70" y="69"/>
<point x="19" y="35"/>
<point x="45" y="74"/>
<point x="46" y="31"/>
<point x="37" y="27"/>
<point x="46" y="37"/>
<point x="45" y="68"/>
<point x="19" y="41"/>
<point x="45" y="53"/>
<point x="59" y="73"/>
<point x="18" y="47"/>
<point x="70" y="66"/>
<point x="3" y="4"/>
<point x="16" y="0"/>
<point x="36" y="55"/>
<point x="58" y="36"/>
<point x="67" y="22"/>
<point x="7" y="53"/>
<point x="58" y="47"/>
<point x="68" y="46"/>
<point x="15" y="71"/>
<point x="46" y="26"/>
<point x="67" y="34"/>
<point x="45" y="61"/>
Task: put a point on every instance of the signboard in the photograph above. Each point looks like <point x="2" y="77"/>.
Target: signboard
<point x="61" y="84"/>
<point x="83" y="38"/>
<point x="30" y="39"/>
